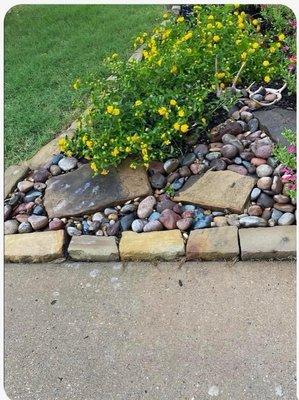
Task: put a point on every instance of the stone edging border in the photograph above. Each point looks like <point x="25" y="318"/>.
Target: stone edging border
<point x="222" y="243"/>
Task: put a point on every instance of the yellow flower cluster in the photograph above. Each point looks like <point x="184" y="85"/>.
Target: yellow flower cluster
<point x="112" y="110"/>
<point x="163" y="111"/>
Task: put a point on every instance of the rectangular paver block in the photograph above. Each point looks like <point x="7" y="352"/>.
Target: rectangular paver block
<point x="264" y="243"/>
<point x="34" y="247"/>
<point x="163" y="245"/>
<point x="213" y="244"/>
<point x="93" y="248"/>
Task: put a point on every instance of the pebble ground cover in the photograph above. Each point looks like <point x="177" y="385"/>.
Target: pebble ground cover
<point x="234" y="153"/>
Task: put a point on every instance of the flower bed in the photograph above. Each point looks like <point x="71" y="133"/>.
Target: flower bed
<point x="249" y="181"/>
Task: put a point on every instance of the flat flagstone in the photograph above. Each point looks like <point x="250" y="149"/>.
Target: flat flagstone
<point x="278" y="242"/>
<point x="93" y="248"/>
<point x="274" y="121"/>
<point x="13" y="175"/>
<point x="218" y="190"/>
<point x="79" y="192"/>
<point x="213" y="244"/>
<point x="163" y="245"/>
<point x="34" y="247"/>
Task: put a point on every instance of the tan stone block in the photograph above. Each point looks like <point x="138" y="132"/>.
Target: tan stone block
<point x="213" y="244"/>
<point x="162" y="245"/>
<point x="218" y="190"/>
<point x="93" y="248"/>
<point x="13" y="175"/>
<point x="277" y="242"/>
<point x="34" y="247"/>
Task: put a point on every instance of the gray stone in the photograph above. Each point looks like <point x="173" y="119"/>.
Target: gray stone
<point x="25" y="227"/>
<point x="213" y="155"/>
<point x="255" y="194"/>
<point x="277" y="185"/>
<point x="128" y="208"/>
<point x="229" y="151"/>
<point x="178" y="183"/>
<point x="275" y="121"/>
<point x="265" y="200"/>
<point x="232" y="140"/>
<point x="153" y="226"/>
<point x="264" y="243"/>
<point x="218" y="164"/>
<point x="72" y="231"/>
<point x="146" y="207"/>
<point x="126" y="221"/>
<point x="264" y="170"/>
<point x="10" y="227"/>
<point x="158" y="181"/>
<point x="251" y="221"/>
<point x="201" y="150"/>
<point x="7" y="211"/>
<point x="171" y="165"/>
<point x="286" y="219"/>
<point x="276" y="214"/>
<point x="253" y="125"/>
<point x="67" y="163"/>
<point x="38" y="222"/>
<point x="32" y="195"/>
<point x="188" y="159"/>
<point x="40" y="175"/>
<point x="55" y="170"/>
<point x="138" y="225"/>
<point x="79" y="192"/>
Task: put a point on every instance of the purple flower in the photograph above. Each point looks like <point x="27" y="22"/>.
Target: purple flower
<point x="292" y="149"/>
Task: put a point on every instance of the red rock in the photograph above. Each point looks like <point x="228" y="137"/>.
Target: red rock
<point x="169" y="219"/>
<point x="56" y="224"/>
<point x="184" y="224"/>
<point x="231" y="127"/>
<point x="155" y="167"/>
<point x="238" y="168"/>
<point x="255" y="210"/>
<point x="21" y="218"/>
<point x="258" y="161"/>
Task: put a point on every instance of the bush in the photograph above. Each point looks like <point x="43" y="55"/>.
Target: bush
<point x="150" y="108"/>
<point x="287" y="157"/>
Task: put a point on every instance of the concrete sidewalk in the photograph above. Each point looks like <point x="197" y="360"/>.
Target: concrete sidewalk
<point x="159" y="332"/>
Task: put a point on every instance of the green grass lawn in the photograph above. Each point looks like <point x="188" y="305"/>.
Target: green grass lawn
<point x="46" y="48"/>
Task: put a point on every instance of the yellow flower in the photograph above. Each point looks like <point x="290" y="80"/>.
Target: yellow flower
<point x="255" y="45"/>
<point x="267" y="79"/>
<point x="114" y="56"/>
<point x="278" y="44"/>
<point x="177" y="126"/>
<point x="241" y="25"/>
<point x="244" y="55"/>
<point x="165" y="15"/>
<point x="266" y="63"/>
<point x="272" y="49"/>
<point x="204" y="121"/>
<point x="104" y="172"/>
<point x="62" y="143"/>
<point x="69" y="153"/>
<point x="110" y="109"/>
<point x="137" y="103"/>
<point x="210" y="17"/>
<point x="220" y="75"/>
<point x="281" y="37"/>
<point x="174" y="69"/>
<point x="133" y="165"/>
<point x="216" y="38"/>
<point x="162" y="111"/>
<point x="93" y="166"/>
<point x="210" y="26"/>
<point x="159" y="62"/>
<point x="128" y="149"/>
<point x="173" y="102"/>
<point x="255" y="22"/>
<point x="116" y="111"/>
<point x="76" y="84"/>
<point x="238" y="41"/>
<point x="89" y="144"/>
<point x="181" y="113"/>
<point x="166" y="142"/>
<point x="115" y="152"/>
<point x="188" y="36"/>
<point x="180" y="19"/>
<point x="218" y="25"/>
<point x="184" y="128"/>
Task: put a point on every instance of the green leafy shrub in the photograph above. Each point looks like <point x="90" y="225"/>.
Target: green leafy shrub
<point x="148" y="109"/>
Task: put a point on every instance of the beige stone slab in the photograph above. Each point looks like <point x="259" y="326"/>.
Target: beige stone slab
<point x="13" y="175"/>
<point x="218" y="190"/>
<point x="163" y="245"/>
<point x="213" y="244"/>
<point x="34" y="247"/>
<point x="277" y="242"/>
<point x="93" y="248"/>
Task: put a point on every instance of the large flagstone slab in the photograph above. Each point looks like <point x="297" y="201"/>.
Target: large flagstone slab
<point x="79" y="192"/>
<point x="218" y="190"/>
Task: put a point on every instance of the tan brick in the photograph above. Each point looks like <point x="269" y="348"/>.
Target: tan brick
<point x="163" y="245"/>
<point x="34" y="247"/>
<point x="277" y="242"/>
<point x="213" y="244"/>
<point x="93" y="248"/>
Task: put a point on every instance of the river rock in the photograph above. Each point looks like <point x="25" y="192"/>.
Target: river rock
<point x="7" y="211"/>
<point x="32" y="195"/>
<point x="220" y="221"/>
<point x="178" y="183"/>
<point x="24" y="186"/>
<point x="264" y="170"/>
<point x="146" y="207"/>
<point x="126" y="221"/>
<point x="25" y="227"/>
<point x="229" y="151"/>
<point x="228" y="127"/>
<point x="280" y="198"/>
<point x="239" y="169"/>
<point x="171" y="165"/>
<point x="156" y="167"/>
<point x="40" y="175"/>
<point x="201" y="150"/>
<point x="232" y="140"/>
<point x="264" y="183"/>
<point x="72" y="231"/>
<point x="153" y="226"/>
<point x="286" y="219"/>
<point x="276" y="214"/>
<point x="56" y="224"/>
<point x="38" y="222"/>
<point x="252" y="222"/>
<point x="55" y="170"/>
<point x="264" y="151"/>
<point x="255" y="194"/>
<point x="184" y="224"/>
<point x="253" y="124"/>
<point x="165" y="204"/>
<point x="265" y="200"/>
<point x="188" y="159"/>
<point x="158" y="181"/>
<point x="258" y="161"/>
<point x="169" y="219"/>
<point x="67" y="163"/>
<point x="255" y="211"/>
<point x="138" y="225"/>
<point x="128" y="208"/>
<point x="10" y="227"/>
<point x="113" y="230"/>
<point x="287" y="208"/>
<point x="277" y="185"/>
